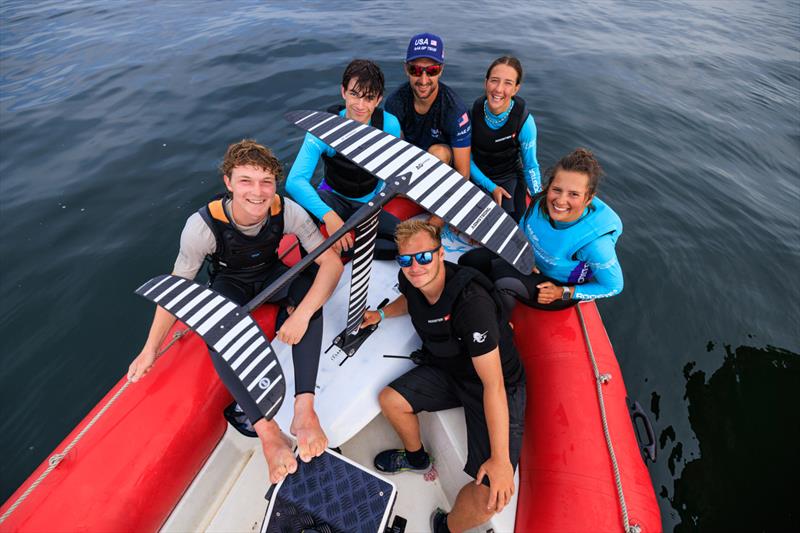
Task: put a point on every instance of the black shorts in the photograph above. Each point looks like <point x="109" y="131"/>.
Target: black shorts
<point x="428" y="388"/>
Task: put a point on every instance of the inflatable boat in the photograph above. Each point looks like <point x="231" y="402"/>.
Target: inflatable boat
<point x="158" y="454"/>
<point x="162" y="457"/>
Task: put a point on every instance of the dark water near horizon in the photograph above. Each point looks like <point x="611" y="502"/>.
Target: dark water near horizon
<point x="113" y="117"/>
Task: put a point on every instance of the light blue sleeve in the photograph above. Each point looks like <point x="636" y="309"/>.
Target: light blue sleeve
<point x="390" y="124"/>
<point x="527" y="141"/>
<point x="298" y="183"/>
<point x="601" y="255"/>
<point x="477" y="175"/>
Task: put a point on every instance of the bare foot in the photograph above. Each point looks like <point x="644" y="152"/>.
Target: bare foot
<point x="311" y="440"/>
<point x="277" y="450"/>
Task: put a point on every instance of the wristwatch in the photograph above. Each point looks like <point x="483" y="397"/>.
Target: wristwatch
<point x="567" y="293"/>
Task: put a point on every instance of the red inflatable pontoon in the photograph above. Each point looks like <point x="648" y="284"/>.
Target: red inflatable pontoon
<point x="567" y="481"/>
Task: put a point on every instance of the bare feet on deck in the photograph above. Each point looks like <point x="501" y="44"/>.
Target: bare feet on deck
<point x="277" y="450"/>
<point x="311" y="440"/>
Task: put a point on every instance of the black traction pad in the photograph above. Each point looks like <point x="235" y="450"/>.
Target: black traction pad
<point x="330" y="494"/>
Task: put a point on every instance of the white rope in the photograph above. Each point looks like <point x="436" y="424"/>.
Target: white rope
<point x="600" y="379"/>
<point x="56" y="458"/>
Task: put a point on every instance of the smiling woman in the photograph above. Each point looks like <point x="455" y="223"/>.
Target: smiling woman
<point x="573" y="234"/>
<point x="504" y="139"/>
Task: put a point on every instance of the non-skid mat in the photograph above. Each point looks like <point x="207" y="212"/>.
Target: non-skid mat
<point x="330" y="494"/>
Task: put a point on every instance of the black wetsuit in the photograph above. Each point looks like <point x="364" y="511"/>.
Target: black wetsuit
<point x="242" y="266"/>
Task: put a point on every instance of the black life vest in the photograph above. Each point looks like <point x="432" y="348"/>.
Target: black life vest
<point x="433" y="323"/>
<point x="496" y="152"/>
<point x="239" y="255"/>
<point x="344" y="176"/>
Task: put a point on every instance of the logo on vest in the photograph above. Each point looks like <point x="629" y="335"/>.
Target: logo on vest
<point x="479" y="337"/>
<point x="445" y="318"/>
<point x="435" y="133"/>
<point x="264" y="383"/>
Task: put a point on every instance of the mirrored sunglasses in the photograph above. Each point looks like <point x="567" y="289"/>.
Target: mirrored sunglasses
<point x="417" y="70"/>
<point x="423" y="258"/>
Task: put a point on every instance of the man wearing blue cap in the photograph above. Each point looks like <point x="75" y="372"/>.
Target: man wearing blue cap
<point x="431" y="114"/>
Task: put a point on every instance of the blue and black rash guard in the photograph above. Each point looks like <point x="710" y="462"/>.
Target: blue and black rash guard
<point x="527" y="151"/>
<point x="446" y="122"/>
<point x="298" y="183"/>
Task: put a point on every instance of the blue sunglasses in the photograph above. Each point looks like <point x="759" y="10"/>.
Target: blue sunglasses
<point x="423" y="258"/>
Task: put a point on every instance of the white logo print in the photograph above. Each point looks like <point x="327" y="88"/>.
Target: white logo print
<point x="479" y="337"/>
<point x="264" y="383"/>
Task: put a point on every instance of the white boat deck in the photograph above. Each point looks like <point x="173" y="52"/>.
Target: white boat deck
<point x="228" y="493"/>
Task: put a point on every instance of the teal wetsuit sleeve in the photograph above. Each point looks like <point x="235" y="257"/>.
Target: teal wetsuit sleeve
<point x="391" y="125"/>
<point x="298" y="183"/>
<point x="527" y="141"/>
<point x="479" y="177"/>
<point x="602" y="258"/>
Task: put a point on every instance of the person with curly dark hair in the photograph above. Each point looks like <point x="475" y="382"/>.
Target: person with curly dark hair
<point x="573" y="234"/>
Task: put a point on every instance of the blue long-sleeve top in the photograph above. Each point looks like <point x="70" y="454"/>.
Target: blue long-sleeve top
<point x="527" y="141"/>
<point x="298" y="182"/>
<point x="601" y="256"/>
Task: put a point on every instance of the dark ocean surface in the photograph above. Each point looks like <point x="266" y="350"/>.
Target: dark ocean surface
<point x="113" y="117"/>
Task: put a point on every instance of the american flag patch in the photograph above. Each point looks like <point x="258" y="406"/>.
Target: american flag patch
<point x="434" y="43"/>
<point x="463" y="120"/>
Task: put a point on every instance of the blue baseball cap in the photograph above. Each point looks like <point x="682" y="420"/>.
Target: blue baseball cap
<point x="425" y="45"/>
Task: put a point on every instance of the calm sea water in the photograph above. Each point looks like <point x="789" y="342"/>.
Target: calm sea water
<point x="115" y="115"/>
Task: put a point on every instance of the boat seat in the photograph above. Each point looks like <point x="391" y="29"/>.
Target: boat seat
<point x="445" y="436"/>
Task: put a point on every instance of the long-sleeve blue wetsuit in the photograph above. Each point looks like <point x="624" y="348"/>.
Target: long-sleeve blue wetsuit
<point x="298" y="183"/>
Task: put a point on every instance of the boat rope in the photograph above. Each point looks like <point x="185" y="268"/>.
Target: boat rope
<point x="56" y="458"/>
<point x="600" y="380"/>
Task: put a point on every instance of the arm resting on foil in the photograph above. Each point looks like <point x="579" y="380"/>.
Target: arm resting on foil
<point x="398" y="307"/>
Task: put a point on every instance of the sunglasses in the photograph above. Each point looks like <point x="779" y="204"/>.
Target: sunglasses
<point x="423" y="258"/>
<point x="416" y="70"/>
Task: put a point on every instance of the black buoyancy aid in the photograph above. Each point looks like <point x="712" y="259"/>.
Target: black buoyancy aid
<point x="237" y="254"/>
<point x="496" y="152"/>
<point x="344" y="176"/>
<point x="433" y="323"/>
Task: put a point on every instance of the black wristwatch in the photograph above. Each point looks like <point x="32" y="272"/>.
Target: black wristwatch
<point x="567" y="293"/>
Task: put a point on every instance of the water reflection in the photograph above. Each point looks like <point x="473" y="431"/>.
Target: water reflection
<point x="747" y="425"/>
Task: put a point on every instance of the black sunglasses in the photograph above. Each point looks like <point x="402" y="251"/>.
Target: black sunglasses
<point x="423" y="258"/>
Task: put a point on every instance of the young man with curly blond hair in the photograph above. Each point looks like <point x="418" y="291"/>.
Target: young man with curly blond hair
<point x="240" y="232"/>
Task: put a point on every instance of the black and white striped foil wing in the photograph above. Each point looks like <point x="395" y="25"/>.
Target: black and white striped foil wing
<point x="425" y="180"/>
<point x="228" y="329"/>
<point x="363" y="252"/>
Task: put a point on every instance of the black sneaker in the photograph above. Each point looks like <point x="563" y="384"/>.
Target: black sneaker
<point x="236" y="417"/>
<point x="395" y="461"/>
<point x="439" y="521"/>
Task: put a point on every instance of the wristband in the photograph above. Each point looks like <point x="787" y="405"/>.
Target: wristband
<point x="380" y="312"/>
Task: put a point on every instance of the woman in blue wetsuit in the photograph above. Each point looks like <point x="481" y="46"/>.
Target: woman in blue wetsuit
<point x="503" y="158"/>
<point x="573" y="234"/>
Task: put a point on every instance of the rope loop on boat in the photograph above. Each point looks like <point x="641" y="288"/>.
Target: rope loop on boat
<point x="600" y="379"/>
<point x="56" y="458"/>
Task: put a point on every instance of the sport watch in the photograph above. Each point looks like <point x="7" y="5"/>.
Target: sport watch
<point x="567" y="293"/>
